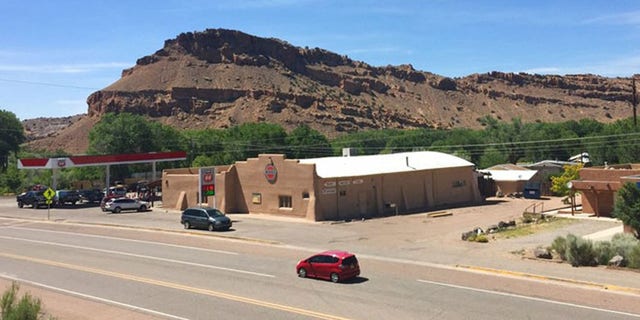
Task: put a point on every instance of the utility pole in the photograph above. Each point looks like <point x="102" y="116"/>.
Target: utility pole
<point x="634" y="101"/>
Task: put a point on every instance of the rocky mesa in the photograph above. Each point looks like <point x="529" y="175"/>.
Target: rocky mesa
<point x="219" y="78"/>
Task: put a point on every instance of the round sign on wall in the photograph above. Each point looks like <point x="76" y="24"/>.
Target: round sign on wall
<point x="271" y="173"/>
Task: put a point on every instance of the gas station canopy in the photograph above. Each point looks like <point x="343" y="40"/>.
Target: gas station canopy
<point x="101" y="160"/>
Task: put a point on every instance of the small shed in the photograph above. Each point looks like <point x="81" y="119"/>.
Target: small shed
<point x="510" y="181"/>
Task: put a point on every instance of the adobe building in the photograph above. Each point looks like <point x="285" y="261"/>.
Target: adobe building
<point x="598" y="186"/>
<point x="332" y="188"/>
<point x="509" y="179"/>
<point x="546" y="169"/>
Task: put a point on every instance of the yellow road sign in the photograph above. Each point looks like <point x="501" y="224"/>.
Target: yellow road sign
<point x="49" y="193"/>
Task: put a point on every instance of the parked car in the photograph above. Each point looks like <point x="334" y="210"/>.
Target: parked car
<point x="119" y="191"/>
<point x="205" y="218"/>
<point x="117" y="205"/>
<point x="66" y="196"/>
<point x="91" y="195"/>
<point x="33" y="198"/>
<point x="334" y="265"/>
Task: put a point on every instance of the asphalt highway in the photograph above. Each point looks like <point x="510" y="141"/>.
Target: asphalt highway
<point x="145" y="265"/>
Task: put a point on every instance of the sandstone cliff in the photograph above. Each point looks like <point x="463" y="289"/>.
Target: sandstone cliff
<point x="219" y="78"/>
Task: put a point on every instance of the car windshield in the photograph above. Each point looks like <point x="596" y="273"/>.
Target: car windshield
<point x="349" y="261"/>
<point x="215" y="213"/>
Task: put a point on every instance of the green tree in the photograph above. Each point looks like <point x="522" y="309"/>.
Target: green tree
<point x="251" y="139"/>
<point x="366" y="142"/>
<point x="11" y="179"/>
<point x="627" y="206"/>
<point x="537" y="151"/>
<point x="491" y="157"/>
<point x="121" y="133"/>
<point x="11" y="137"/>
<point x="128" y="133"/>
<point x="305" y="142"/>
<point x="464" y="143"/>
<point x="507" y="137"/>
<point x="559" y="183"/>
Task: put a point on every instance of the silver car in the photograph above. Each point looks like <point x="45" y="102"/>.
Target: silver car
<point x="119" y="204"/>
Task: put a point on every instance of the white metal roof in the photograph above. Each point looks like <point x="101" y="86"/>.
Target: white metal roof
<point x="335" y="167"/>
<point x="511" y="175"/>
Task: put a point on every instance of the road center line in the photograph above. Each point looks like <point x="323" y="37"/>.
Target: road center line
<point x="177" y="286"/>
<point x="529" y="298"/>
<point x="139" y="256"/>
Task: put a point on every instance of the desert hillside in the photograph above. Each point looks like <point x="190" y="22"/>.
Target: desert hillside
<point x="219" y="78"/>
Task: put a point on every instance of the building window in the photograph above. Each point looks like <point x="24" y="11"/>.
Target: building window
<point x="459" y="183"/>
<point x="305" y="195"/>
<point x="256" y="198"/>
<point x="285" y="201"/>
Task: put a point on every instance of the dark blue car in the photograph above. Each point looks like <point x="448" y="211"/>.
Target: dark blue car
<point x="205" y="218"/>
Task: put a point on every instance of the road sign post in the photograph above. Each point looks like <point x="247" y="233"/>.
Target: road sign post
<point x="48" y="196"/>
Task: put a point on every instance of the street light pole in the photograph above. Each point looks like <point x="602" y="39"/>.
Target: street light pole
<point x="634" y="100"/>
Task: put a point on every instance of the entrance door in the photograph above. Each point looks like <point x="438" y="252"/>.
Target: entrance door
<point x="363" y="204"/>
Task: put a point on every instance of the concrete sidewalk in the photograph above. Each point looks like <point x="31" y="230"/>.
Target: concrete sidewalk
<point x="602" y="235"/>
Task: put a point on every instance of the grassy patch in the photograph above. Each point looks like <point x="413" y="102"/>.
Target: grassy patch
<point x="525" y="229"/>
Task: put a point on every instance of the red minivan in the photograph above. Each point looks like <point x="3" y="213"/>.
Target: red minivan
<point x="334" y="265"/>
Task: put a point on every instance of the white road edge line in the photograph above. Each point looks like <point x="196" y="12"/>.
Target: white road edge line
<point x="140" y="256"/>
<point x="94" y="298"/>
<point x="529" y="298"/>
<point x="124" y="239"/>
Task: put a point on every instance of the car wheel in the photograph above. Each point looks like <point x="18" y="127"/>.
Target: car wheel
<point x="302" y="273"/>
<point x="117" y="210"/>
<point x="142" y="208"/>
<point x="187" y="225"/>
<point x="211" y="227"/>
<point x="20" y="204"/>
<point x="334" y="277"/>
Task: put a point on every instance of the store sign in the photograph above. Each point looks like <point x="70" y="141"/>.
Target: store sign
<point x="328" y="191"/>
<point x="62" y="162"/>
<point x="208" y="181"/>
<point x="271" y="173"/>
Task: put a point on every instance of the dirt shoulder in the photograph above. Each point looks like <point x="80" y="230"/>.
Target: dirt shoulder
<point x="65" y="306"/>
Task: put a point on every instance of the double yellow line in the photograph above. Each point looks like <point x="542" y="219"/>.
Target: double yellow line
<point x="177" y="286"/>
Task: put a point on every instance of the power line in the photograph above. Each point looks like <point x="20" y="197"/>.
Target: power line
<point x="48" y="84"/>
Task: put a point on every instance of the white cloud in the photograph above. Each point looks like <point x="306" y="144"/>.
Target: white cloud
<point x="543" y="70"/>
<point x="626" y="18"/>
<point x="63" y="68"/>
<point x="618" y="67"/>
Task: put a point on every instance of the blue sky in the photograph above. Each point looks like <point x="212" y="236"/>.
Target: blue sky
<point x="54" y="54"/>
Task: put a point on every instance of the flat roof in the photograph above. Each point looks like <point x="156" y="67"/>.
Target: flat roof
<point x="335" y="167"/>
<point x="510" y="175"/>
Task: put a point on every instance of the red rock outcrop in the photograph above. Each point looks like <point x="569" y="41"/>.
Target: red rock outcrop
<point x="219" y="78"/>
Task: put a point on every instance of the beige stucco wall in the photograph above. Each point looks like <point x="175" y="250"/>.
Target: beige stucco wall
<point x="254" y="193"/>
<point x="244" y="188"/>
<point x="177" y="181"/>
<point x="180" y="187"/>
<point x="385" y="194"/>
